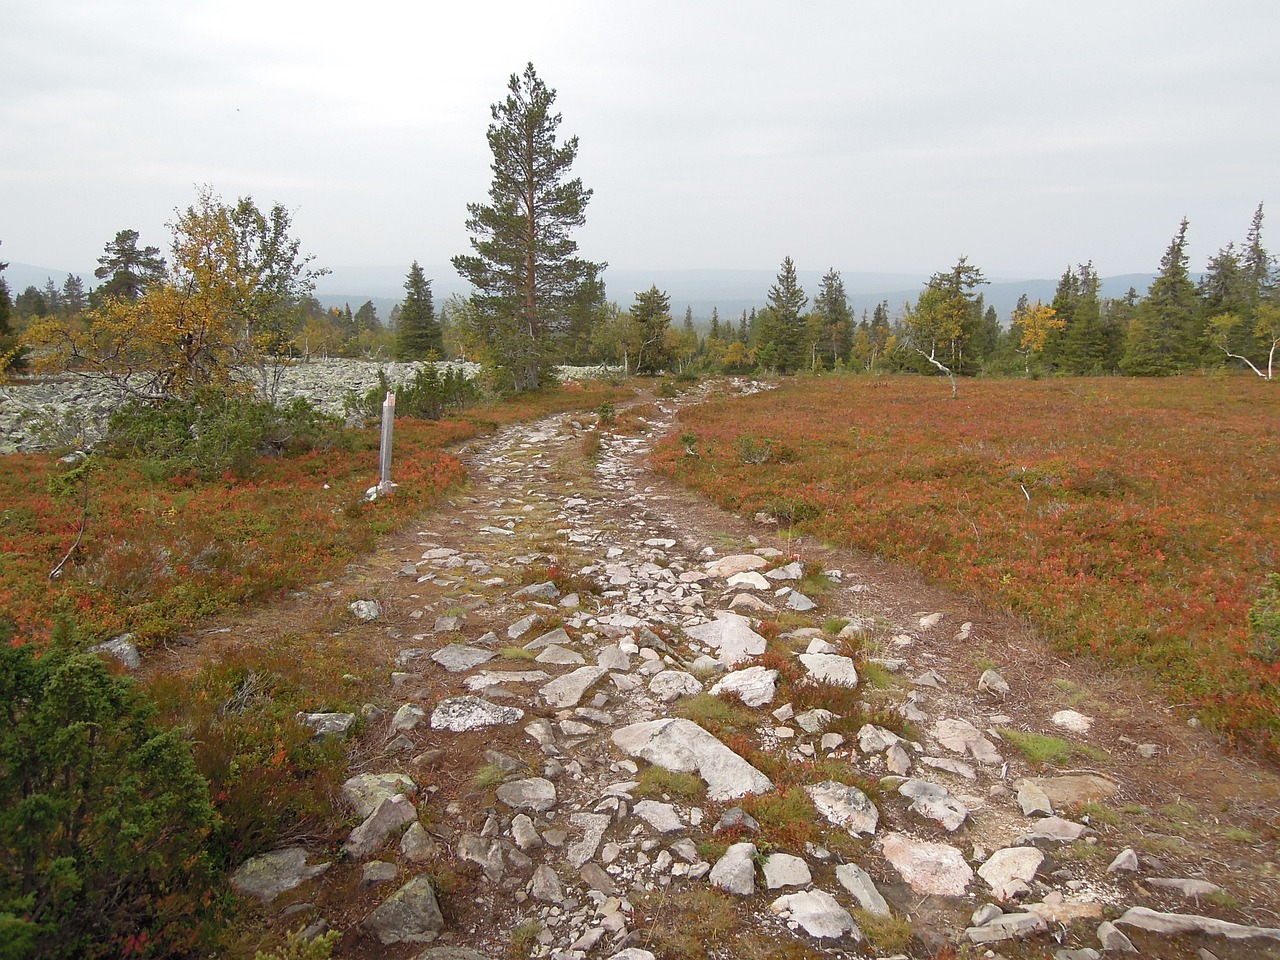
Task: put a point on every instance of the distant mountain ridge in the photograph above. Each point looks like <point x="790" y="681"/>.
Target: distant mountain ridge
<point x="730" y="291"/>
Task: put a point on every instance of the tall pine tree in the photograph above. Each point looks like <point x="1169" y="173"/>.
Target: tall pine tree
<point x="1167" y="330"/>
<point x="782" y="333"/>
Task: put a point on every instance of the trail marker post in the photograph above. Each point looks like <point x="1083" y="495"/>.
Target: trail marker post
<point x="385" y="486"/>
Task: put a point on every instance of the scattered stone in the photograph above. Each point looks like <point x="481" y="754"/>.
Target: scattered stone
<point x="1148" y="751"/>
<point x="593" y="826"/>
<point x="785" y="870"/>
<point x="365" y="791"/>
<point x="410" y="915"/>
<point x="992" y="682"/>
<point x="961" y="736"/>
<point x="818" y="914"/>
<point x="735" y="871"/>
<point x="1071" y="720"/>
<point x="460" y="714"/>
<point x="568" y="690"/>
<point x="736" y="817"/>
<point x="830" y="668"/>
<point x="661" y="816"/>
<point x="814" y="721"/>
<point x="417" y="846"/>
<point x="1171" y="924"/>
<point x="448" y="624"/>
<point x="930" y="621"/>
<point x="484" y="851"/>
<point x="327" y="724"/>
<point x="632" y="953"/>
<point x="798" y="602"/>
<point x="731" y="636"/>
<point x="365" y="610"/>
<point x="1113" y="940"/>
<point x="930" y="678"/>
<point x="408" y="718"/>
<point x="597" y="879"/>
<point x="1009" y="872"/>
<point x="873" y="739"/>
<point x="539" y="591"/>
<point x="859" y="883"/>
<point x="670" y="685"/>
<point x="558" y="637"/>
<point x="726" y="567"/>
<point x="120" y="648"/>
<point x="1033" y="800"/>
<point x="1126" y="860"/>
<point x="749" y="579"/>
<point x="958" y="767"/>
<point x="929" y="868"/>
<point x="391" y="814"/>
<point x="376" y="872"/>
<point x="935" y="802"/>
<point x="898" y="760"/>
<point x="683" y="747"/>
<point x="1055" y="829"/>
<point x="844" y="806"/>
<point x="1056" y="909"/>
<point x="271" y="874"/>
<point x="1008" y="926"/>
<point x="534" y="794"/>
<point x="545" y="885"/>
<point x="755" y="686"/>
<point x="457" y="657"/>
<point x="1076" y="789"/>
<point x="560" y="656"/>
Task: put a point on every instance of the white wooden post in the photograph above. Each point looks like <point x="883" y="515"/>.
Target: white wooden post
<point x="385" y="485"/>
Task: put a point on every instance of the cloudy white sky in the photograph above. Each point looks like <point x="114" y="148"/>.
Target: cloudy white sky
<point x="872" y="136"/>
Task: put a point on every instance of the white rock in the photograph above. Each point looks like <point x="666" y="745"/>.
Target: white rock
<point x="365" y="791"/>
<point x="929" y="868"/>
<point x="859" y="883"/>
<point x="460" y="714"/>
<point x="785" y="870"/>
<point x="844" y="806"/>
<point x="1072" y="721"/>
<point x="755" y="686"/>
<point x="1009" y="872"/>
<point x="535" y="793"/>
<point x="750" y="579"/>
<point x="830" y="668"/>
<point x="738" y="563"/>
<point x="731" y="636"/>
<point x="684" y="747"/>
<point x="566" y="691"/>
<point x="818" y="914"/>
<point x="670" y="685"/>
<point x="735" y="871"/>
<point x="661" y="816"/>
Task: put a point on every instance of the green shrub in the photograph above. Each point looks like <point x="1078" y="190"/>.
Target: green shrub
<point x="1264" y="621"/>
<point x="213" y="432"/>
<point x="428" y="396"/>
<point x="103" y="815"/>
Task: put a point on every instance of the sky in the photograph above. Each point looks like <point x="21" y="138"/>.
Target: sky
<point x="887" y="136"/>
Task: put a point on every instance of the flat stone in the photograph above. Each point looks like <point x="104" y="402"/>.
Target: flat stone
<point x="365" y="791"/>
<point x="830" y="668"/>
<point x="786" y="870"/>
<point x="1009" y="872"/>
<point x="593" y="826"/>
<point x="798" y="602"/>
<point x="950" y="765"/>
<point x="684" y="747"/>
<point x="863" y="889"/>
<point x="961" y="736"/>
<point x="814" y="721"/>
<point x="755" y="686"/>
<point x="448" y="624"/>
<point x="1007" y="926"/>
<point x="749" y="579"/>
<point x="873" y="739"/>
<point x="935" y="802"/>
<point x="485" y="852"/>
<point x="1056" y="909"/>
<point x="738" y="563"/>
<point x="534" y="794"/>
<point x="561" y="656"/>
<point x="1055" y="829"/>
<point x="539" y="591"/>
<point x="417" y="846"/>
<point x="1076" y="789"/>
<point x="735" y="871"/>
<point x="929" y="868"/>
<point x="495" y="678"/>
<point x="669" y="685"/>
<point x="1112" y="940"/>
<point x="818" y="914"/>
<point x="844" y="806"/>
<point x="460" y="714"/>
<point x="566" y="691"/>
<point x="558" y="637"/>
<point x="376" y="872"/>
<point x="457" y="657"/>
<point x="632" y="953"/>
<point x="545" y="885"/>
<point x="392" y="814"/>
<point x="410" y="915"/>
<point x="661" y="816"/>
<point x="271" y="874"/>
<point x="1173" y="924"/>
<point x="613" y="657"/>
<point x="408" y="718"/>
<point x="1126" y="860"/>
<point x="597" y="879"/>
<point x="791" y="571"/>
<point x="731" y="636"/>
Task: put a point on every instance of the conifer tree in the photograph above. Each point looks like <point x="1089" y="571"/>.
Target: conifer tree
<point x="1166" y="332"/>
<point x="783" y="326"/>
<point x="128" y="270"/>
<point x="418" y="333"/>
<point x="831" y="305"/>
<point x="524" y="266"/>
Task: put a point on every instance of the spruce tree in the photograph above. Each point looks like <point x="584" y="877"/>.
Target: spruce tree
<point x="418" y="333"/>
<point x="1166" y="333"/>
<point x="832" y="307"/>
<point x="783" y="326"/>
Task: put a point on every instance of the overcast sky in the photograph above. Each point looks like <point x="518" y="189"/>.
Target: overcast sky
<point x="870" y="136"/>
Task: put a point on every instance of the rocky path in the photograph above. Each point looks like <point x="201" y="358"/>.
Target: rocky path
<point x="618" y="723"/>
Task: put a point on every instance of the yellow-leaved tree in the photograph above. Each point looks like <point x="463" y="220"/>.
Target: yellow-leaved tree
<point x="1035" y="322"/>
<point x="223" y="316"/>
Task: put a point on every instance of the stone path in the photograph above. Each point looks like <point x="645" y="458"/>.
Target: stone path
<point x="540" y="757"/>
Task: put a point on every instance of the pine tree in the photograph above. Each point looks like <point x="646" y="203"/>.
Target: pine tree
<point x="6" y="305"/>
<point x="418" y="333"/>
<point x="1167" y="330"/>
<point x="1083" y="347"/>
<point x="128" y="270"/>
<point x="651" y="316"/>
<point x="74" y="299"/>
<point x="524" y="268"/>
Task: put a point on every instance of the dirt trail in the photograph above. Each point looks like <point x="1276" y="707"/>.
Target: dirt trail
<point x="538" y="508"/>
